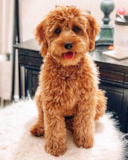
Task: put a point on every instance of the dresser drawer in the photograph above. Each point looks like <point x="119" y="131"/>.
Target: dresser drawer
<point x="111" y="76"/>
<point x="30" y="53"/>
<point x="111" y="67"/>
<point x="126" y="79"/>
<point x="30" y="58"/>
<point x="33" y="61"/>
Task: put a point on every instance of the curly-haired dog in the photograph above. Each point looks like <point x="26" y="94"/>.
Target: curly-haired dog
<point x="68" y="82"/>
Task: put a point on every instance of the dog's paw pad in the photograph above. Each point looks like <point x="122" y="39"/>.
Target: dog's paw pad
<point x="56" y="150"/>
<point x="37" y="130"/>
<point x="88" y="145"/>
<point x="85" y="143"/>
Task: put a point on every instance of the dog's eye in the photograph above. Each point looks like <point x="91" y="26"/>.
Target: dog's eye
<point x="57" y="31"/>
<point x="75" y="29"/>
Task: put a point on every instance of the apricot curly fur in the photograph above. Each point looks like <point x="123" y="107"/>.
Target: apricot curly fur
<point x="67" y="87"/>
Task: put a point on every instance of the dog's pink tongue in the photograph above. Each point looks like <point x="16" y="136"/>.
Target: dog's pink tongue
<point x="69" y="55"/>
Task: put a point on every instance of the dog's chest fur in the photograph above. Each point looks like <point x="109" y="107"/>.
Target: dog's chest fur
<point x="63" y="86"/>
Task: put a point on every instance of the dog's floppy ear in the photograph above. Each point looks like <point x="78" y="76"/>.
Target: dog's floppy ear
<point x="92" y="30"/>
<point x="39" y="33"/>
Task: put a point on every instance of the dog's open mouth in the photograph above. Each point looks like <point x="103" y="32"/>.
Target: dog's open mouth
<point x="69" y="55"/>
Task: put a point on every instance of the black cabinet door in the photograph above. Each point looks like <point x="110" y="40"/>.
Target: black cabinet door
<point x="115" y="104"/>
<point x="31" y="83"/>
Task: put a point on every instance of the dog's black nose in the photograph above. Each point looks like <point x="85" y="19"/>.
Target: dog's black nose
<point x="68" y="45"/>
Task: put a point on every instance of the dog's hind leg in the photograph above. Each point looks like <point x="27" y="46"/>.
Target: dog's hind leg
<point x="101" y="104"/>
<point x="38" y="128"/>
<point x="100" y="109"/>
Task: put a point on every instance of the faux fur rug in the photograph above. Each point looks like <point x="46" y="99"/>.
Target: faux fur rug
<point x="16" y="142"/>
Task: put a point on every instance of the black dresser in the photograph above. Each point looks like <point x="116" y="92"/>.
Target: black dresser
<point x="113" y="75"/>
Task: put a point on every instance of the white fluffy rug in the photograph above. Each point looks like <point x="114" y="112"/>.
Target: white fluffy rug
<point x="16" y="143"/>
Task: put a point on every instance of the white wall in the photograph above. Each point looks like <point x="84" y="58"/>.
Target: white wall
<point x="34" y="10"/>
<point x="6" y="28"/>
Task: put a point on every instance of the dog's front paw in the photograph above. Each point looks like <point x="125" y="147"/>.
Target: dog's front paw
<point x="55" y="148"/>
<point x="85" y="142"/>
<point x="37" y="130"/>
